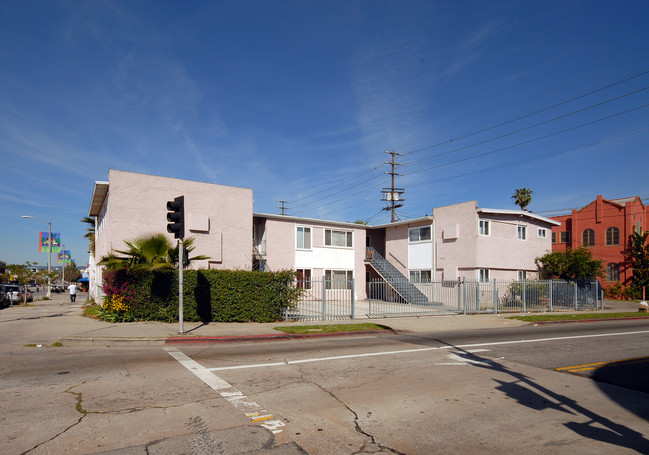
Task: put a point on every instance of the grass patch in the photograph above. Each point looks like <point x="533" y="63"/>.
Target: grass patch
<point x="576" y="317"/>
<point x="92" y="311"/>
<point x="57" y="344"/>
<point x="307" y="329"/>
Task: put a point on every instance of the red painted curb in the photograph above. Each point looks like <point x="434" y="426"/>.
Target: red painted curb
<point x="269" y="337"/>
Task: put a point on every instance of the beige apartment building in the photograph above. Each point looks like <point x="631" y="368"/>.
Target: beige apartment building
<point x="459" y="240"/>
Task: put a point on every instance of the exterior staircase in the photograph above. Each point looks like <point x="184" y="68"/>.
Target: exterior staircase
<point x="401" y="285"/>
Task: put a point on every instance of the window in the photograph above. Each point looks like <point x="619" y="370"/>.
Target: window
<point x="541" y="233"/>
<point x="522" y="232"/>
<point x="338" y="279"/>
<point x="303" y="238"/>
<point x="483" y="275"/>
<point x="484" y="227"/>
<point x="554" y="237"/>
<point x="588" y="237"/>
<point x="338" y="238"/>
<point x="304" y="278"/>
<point x="612" y="272"/>
<point x="420" y="276"/>
<point x="612" y="236"/>
<point x="565" y="237"/>
<point x="419" y="234"/>
<point x="522" y="275"/>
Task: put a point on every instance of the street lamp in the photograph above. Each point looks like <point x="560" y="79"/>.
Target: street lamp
<point x="49" y="253"/>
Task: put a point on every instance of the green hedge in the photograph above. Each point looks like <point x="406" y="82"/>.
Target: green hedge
<point x="208" y="295"/>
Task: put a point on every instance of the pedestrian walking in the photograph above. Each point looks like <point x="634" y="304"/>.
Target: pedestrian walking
<point x="73" y="292"/>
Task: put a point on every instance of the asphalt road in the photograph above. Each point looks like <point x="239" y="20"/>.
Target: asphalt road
<point x="487" y="392"/>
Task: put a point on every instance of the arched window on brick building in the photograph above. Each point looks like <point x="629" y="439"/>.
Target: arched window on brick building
<point x="612" y="236"/>
<point x="612" y="272"/>
<point x="588" y="237"/>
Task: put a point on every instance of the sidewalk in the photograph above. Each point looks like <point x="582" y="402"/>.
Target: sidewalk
<point x="49" y="321"/>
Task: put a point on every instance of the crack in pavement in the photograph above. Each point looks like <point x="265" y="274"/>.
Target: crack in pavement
<point x="357" y="427"/>
<point x="78" y="407"/>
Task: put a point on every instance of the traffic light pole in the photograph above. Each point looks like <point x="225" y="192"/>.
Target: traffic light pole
<point x="181" y="317"/>
<point x="176" y="225"/>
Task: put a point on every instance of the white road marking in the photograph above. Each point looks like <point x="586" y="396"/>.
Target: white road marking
<point x="458" y="360"/>
<point x="252" y="410"/>
<point x="433" y="348"/>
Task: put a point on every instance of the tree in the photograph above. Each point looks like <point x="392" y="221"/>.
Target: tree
<point x="572" y="265"/>
<point x="72" y="272"/>
<point x="90" y="232"/>
<point x="149" y="252"/>
<point x="522" y="197"/>
<point x="23" y="275"/>
<point x="637" y="253"/>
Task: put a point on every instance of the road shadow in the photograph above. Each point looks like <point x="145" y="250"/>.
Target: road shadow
<point x="533" y="395"/>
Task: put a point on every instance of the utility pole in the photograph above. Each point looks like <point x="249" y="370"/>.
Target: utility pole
<point x="393" y="196"/>
<point x="283" y="207"/>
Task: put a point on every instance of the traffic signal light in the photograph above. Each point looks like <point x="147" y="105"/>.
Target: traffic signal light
<point x="176" y="216"/>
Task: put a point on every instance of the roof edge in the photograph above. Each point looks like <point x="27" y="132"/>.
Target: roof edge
<point x="520" y="213"/>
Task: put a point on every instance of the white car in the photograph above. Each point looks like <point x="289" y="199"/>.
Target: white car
<point x="16" y="294"/>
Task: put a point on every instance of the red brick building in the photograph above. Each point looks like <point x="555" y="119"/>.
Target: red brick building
<point x="604" y="227"/>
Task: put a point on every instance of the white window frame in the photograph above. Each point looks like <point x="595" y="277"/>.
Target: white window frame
<point x="483" y="275"/>
<point x="349" y="238"/>
<point x="484" y="227"/>
<point x="305" y="230"/>
<point x="417" y="276"/>
<point x="414" y="234"/>
<point x="521" y="275"/>
<point x="306" y="284"/>
<point x="521" y="232"/>
<point x="329" y="275"/>
<point x="541" y="233"/>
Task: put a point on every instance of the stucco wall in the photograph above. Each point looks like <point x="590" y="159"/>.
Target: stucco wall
<point x="281" y="251"/>
<point x="462" y="251"/>
<point x="456" y="257"/>
<point x="136" y="206"/>
<point x="503" y="251"/>
<point x="396" y="247"/>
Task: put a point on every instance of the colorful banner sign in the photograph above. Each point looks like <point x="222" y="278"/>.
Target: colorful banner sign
<point x="44" y="242"/>
<point x="64" y="257"/>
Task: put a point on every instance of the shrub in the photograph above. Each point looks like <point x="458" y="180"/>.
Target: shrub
<point x="614" y="291"/>
<point x="208" y="295"/>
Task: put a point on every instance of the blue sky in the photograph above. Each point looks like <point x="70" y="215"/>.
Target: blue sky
<point x="298" y="100"/>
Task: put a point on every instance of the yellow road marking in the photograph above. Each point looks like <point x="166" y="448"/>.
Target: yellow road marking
<point x="262" y="418"/>
<point x="594" y="366"/>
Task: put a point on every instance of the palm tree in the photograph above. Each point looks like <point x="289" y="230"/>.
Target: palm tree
<point x="90" y="232"/>
<point x="149" y="252"/>
<point x="522" y="197"/>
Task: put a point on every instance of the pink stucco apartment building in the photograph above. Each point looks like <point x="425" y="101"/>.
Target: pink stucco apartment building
<point x="457" y="241"/>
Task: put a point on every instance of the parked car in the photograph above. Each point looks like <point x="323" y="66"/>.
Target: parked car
<point x="5" y="298"/>
<point x="16" y="294"/>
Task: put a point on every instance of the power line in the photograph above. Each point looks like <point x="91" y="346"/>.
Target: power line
<point x="393" y="196"/>
<point x="545" y="122"/>
<point x="583" y="95"/>
<point x="528" y="160"/>
<point x="283" y="208"/>
<point x="529" y="141"/>
<point x="319" y="194"/>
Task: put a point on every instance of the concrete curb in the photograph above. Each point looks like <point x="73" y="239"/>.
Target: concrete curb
<point x="272" y="337"/>
<point x="112" y="341"/>
<point x="590" y="320"/>
<point x="201" y="340"/>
